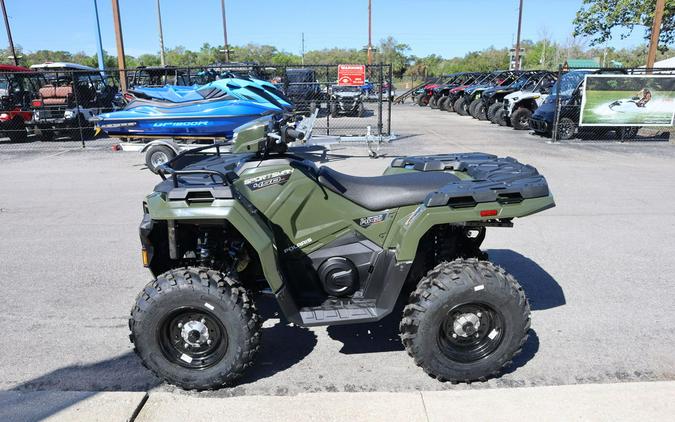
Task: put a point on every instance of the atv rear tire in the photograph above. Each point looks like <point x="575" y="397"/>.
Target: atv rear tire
<point x="158" y="155"/>
<point x="473" y="107"/>
<point x="433" y="102"/>
<point x="501" y="118"/>
<point x="492" y="110"/>
<point x="466" y="321"/>
<point x="481" y="111"/>
<point x="195" y="328"/>
<point x="422" y="100"/>
<point x="520" y="119"/>
<point x="460" y="107"/>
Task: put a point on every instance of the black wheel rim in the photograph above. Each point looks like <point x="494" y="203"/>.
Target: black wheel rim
<point x="192" y="338"/>
<point x="566" y="130"/>
<point x="470" y="332"/>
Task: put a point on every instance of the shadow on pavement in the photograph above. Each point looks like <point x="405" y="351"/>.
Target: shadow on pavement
<point x="282" y="345"/>
<point x="37" y="406"/>
<point x="542" y="291"/>
<point x="123" y="373"/>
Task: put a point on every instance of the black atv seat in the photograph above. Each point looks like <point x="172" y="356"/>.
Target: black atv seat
<point x="382" y="192"/>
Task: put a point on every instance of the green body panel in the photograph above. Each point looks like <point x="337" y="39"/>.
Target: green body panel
<point x="249" y="225"/>
<point x="310" y="215"/>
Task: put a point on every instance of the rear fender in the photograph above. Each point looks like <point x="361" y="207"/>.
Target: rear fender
<point x="414" y="221"/>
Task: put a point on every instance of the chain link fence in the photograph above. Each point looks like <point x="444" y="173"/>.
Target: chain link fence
<point x="58" y="105"/>
<point x="613" y="104"/>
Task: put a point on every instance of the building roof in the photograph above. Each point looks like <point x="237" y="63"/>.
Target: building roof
<point x="582" y="63"/>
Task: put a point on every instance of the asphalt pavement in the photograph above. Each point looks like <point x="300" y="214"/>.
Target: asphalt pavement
<point x="598" y="270"/>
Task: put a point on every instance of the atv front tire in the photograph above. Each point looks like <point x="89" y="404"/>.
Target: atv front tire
<point x="520" y="119"/>
<point x="460" y="107"/>
<point x="466" y="321"/>
<point x="442" y="103"/>
<point x="433" y="102"/>
<point x="473" y="107"/>
<point x="492" y="111"/>
<point x="195" y="328"/>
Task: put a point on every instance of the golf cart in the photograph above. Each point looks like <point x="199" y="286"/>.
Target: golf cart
<point x="71" y="97"/>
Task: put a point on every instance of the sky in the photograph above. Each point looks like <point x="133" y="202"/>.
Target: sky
<point x="447" y="28"/>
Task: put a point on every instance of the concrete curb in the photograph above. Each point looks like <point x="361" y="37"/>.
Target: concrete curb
<point x="596" y="402"/>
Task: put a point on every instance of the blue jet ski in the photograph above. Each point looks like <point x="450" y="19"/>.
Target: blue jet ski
<point x="213" y="110"/>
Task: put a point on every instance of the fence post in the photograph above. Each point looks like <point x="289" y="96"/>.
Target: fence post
<point x="327" y="102"/>
<point x="556" y="117"/>
<point x="76" y="94"/>
<point x="389" y="98"/>
<point x="379" y="103"/>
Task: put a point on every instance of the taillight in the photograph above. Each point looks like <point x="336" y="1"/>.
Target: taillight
<point x="36" y="103"/>
<point x="128" y="96"/>
<point x="488" y="213"/>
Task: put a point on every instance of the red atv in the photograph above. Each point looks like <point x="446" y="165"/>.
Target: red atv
<point x="17" y="86"/>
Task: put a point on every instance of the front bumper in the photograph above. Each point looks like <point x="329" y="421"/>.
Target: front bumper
<point x="539" y="125"/>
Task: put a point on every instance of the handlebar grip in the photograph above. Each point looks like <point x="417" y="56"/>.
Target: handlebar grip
<point x="295" y="134"/>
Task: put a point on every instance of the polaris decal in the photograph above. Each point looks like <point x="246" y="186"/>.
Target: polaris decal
<point x="269" y="179"/>
<point x="181" y="124"/>
<point x="298" y="245"/>
<point x="366" y="222"/>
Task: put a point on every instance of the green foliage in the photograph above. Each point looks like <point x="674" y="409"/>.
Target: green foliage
<point x="597" y="18"/>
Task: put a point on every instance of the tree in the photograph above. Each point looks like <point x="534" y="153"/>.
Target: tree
<point x="597" y="18"/>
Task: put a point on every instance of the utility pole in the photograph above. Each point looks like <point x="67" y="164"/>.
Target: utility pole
<point x="9" y="34"/>
<point x="370" y="40"/>
<point x="654" y="40"/>
<point x="303" y="49"/>
<point x="161" y="35"/>
<point x="227" y="48"/>
<point x="99" y="44"/>
<point x="121" y="63"/>
<point x="520" y="19"/>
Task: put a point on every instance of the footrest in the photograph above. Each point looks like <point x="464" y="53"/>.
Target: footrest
<point x="340" y="312"/>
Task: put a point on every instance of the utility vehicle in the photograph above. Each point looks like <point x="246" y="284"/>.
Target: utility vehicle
<point x="18" y="86"/>
<point x="441" y="92"/>
<point x="72" y="96"/>
<point x="222" y="229"/>
<point x="491" y="99"/>
<point x="456" y="95"/>
<point x="345" y="100"/>
<point x="302" y="88"/>
<point x="473" y="95"/>
<point x="518" y="107"/>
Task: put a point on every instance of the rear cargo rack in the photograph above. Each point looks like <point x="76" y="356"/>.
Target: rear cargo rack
<point x="504" y="180"/>
<point x="175" y="174"/>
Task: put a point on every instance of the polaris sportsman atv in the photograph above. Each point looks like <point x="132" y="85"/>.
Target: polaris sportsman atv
<point x="346" y="100"/>
<point x="332" y="248"/>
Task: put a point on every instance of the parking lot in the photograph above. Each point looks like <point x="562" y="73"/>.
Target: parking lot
<point x="598" y="269"/>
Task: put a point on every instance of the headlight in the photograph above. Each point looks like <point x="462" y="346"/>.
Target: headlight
<point x="68" y="114"/>
<point x="4" y="115"/>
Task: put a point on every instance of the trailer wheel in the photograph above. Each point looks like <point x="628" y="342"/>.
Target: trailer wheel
<point x="157" y="155"/>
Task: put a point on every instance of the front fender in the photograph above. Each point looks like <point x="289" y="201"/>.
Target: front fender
<point x="164" y="142"/>
<point x="249" y="225"/>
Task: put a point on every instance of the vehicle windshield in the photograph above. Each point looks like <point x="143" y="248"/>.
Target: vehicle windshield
<point x="300" y="76"/>
<point x="346" y="88"/>
<point x="522" y="80"/>
<point x="544" y="82"/>
<point x="568" y="83"/>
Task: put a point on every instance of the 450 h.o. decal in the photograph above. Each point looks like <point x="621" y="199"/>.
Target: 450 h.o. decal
<point x="269" y="179"/>
<point x="366" y="222"/>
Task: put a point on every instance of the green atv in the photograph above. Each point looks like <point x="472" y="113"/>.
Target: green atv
<point x="223" y="228"/>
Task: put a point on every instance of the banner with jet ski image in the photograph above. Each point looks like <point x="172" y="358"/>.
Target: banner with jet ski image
<point x="628" y="100"/>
